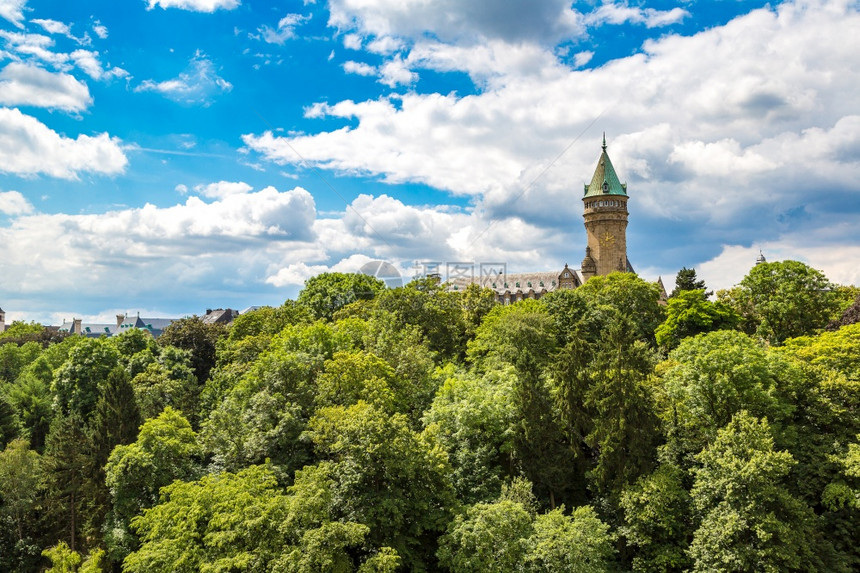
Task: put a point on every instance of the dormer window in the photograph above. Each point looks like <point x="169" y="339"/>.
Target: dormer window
<point x="605" y="187"/>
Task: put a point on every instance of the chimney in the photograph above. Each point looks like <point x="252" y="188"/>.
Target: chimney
<point x="119" y="319"/>
<point x="78" y="325"/>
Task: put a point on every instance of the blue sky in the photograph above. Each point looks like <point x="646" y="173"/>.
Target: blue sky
<point x="168" y="156"/>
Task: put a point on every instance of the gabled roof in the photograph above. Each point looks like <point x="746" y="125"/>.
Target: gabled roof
<point x="605" y="173"/>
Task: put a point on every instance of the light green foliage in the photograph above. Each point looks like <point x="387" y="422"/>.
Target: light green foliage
<point x="782" y="300"/>
<point x="352" y="376"/>
<point x="711" y="377"/>
<point x="436" y="312"/>
<point x="385" y="476"/>
<point x="838" y="351"/>
<point x="264" y="415"/>
<point x="327" y="293"/>
<point x="77" y="383"/>
<point x="386" y="560"/>
<point x="20" y="481"/>
<point x="489" y="537"/>
<point x="406" y="351"/>
<point x="14" y="358"/>
<point x="19" y="329"/>
<point x="657" y="521"/>
<point x="576" y="543"/>
<point x="476" y="301"/>
<point x="63" y="559"/>
<point x="326" y="548"/>
<point x="223" y="522"/>
<point x="505" y="536"/>
<point x="521" y="334"/>
<point x="689" y="313"/>
<point x="749" y="521"/>
<point x="268" y="320"/>
<point x="473" y="418"/>
<point x="166" y="449"/>
<point x="631" y="297"/>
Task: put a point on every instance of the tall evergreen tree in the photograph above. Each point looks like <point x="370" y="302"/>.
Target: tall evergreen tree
<point x="115" y="422"/>
<point x="686" y="280"/>
<point x="66" y="462"/>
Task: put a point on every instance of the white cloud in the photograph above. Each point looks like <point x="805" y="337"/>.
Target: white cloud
<point x="222" y="189"/>
<point x="29" y="147"/>
<point x="194" y="5"/>
<point x="734" y="111"/>
<point x="622" y="13"/>
<point x="352" y="41"/>
<point x="89" y="62"/>
<point x="13" y="203"/>
<point x="396" y="72"/>
<point x="100" y="30"/>
<point x="13" y="11"/>
<point x="285" y="30"/>
<point x="157" y="250"/>
<point x="198" y="84"/>
<point x="359" y="68"/>
<point x="24" y="84"/>
<point x="733" y="263"/>
<point x="53" y="26"/>
<point x="454" y="20"/>
<point x="23" y="45"/>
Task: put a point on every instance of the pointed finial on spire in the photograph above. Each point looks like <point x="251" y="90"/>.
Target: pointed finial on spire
<point x="604" y="141"/>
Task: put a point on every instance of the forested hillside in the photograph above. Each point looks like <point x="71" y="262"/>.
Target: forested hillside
<point x="360" y="428"/>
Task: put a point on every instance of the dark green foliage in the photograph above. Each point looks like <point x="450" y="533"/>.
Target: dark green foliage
<point x="66" y="463"/>
<point x="658" y="521"/>
<point x="686" y="280"/>
<point x="31" y="398"/>
<point x="115" y="422"/>
<point x="9" y="427"/>
<point x="327" y="293"/>
<point x="198" y="338"/>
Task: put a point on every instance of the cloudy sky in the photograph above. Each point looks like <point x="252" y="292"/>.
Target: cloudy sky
<point x="165" y="156"/>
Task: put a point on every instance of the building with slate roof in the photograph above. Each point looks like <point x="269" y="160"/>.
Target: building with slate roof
<point x="605" y="213"/>
<point x="124" y="322"/>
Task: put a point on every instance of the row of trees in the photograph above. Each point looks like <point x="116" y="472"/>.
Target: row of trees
<point x="361" y="428"/>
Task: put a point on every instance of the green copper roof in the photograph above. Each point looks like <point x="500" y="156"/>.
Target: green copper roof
<point x="605" y="174"/>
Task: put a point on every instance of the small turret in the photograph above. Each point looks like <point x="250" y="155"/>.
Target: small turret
<point x="760" y="259"/>
<point x="589" y="267"/>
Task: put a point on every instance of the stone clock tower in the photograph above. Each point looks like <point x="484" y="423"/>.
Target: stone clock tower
<point x="605" y="203"/>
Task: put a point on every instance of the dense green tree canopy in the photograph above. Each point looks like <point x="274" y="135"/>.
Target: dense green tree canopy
<point x="426" y="428"/>
<point x="782" y="300"/>
<point x="327" y="293"/>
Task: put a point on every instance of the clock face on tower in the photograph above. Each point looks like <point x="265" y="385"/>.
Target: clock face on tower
<point x="607" y="240"/>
